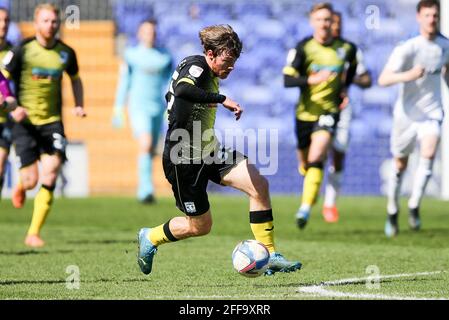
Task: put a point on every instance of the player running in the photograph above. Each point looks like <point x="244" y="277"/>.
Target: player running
<point x="36" y="66"/>
<point x="340" y="143"/>
<point x="418" y="65"/>
<point x="144" y="76"/>
<point x="192" y="155"/>
<point x="322" y="67"/>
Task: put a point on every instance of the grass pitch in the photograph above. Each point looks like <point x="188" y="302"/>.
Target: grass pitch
<point x="97" y="237"/>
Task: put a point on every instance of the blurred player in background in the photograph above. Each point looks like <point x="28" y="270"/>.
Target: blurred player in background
<point x="322" y="67"/>
<point x="340" y="143"/>
<point x="193" y="156"/>
<point x="144" y="76"/>
<point x="418" y="64"/>
<point x="5" y="123"/>
<point x="37" y="66"/>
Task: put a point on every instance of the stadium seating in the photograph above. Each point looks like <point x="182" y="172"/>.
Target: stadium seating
<point x="268" y="29"/>
<point x="112" y="153"/>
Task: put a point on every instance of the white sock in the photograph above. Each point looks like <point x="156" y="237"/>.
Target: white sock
<point x="305" y="207"/>
<point x="422" y="176"/>
<point x="332" y="187"/>
<point x="394" y="190"/>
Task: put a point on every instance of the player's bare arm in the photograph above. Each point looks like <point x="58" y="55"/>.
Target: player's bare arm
<point x="388" y="77"/>
<point x="78" y="93"/>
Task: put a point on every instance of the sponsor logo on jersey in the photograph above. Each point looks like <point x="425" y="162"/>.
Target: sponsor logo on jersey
<point x="49" y="74"/>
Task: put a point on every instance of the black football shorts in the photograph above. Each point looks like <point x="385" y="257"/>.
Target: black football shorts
<point x="31" y="141"/>
<point x="305" y="129"/>
<point x="189" y="180"/>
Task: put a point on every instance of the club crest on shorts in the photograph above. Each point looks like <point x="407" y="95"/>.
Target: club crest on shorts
<point x="190" y="207"/>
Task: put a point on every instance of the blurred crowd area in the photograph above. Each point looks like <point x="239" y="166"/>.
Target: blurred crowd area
<point x="269" y="28"/>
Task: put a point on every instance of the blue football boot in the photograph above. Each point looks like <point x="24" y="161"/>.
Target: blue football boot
<point x="278" y="263"/>
<point x="146" y="251"/>
<point x="302" y="216"/>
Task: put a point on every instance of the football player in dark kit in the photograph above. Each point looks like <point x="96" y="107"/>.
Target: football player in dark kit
<point x="193" y="156"/>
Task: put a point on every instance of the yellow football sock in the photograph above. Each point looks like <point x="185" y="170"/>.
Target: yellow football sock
<point x="42" y="205"/>
<point x="262" y="227"/>
<point x="312" y="184"/>
<point x="161" y="234"/>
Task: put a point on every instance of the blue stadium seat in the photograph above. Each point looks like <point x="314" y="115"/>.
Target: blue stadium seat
<point x="268" y="29"/>
<point x="259" y="95"/>
<point x="128" y="15"/>
<point x="260" y="8"/>
<point x="379" y="95"/>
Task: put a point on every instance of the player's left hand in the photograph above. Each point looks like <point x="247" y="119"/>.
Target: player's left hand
<point x="233" y="106"/>
<point x="79" y="112"/>
<point x="238" y="112"/>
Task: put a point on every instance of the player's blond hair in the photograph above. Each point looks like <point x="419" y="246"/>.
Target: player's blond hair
<point x="321" y="5"/>
<point x="219" y="39"/>
<point x="45" y="6"/>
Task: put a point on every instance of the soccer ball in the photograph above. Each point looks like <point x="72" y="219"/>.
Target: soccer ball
<point x="250" y="258"/>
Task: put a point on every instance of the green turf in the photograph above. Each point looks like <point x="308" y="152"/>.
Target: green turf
<point x="98" y="236"/>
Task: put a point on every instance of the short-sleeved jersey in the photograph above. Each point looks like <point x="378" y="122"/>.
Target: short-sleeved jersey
<point x="196" y="119"/>
<point x="420" y="99"/>
<point x="309" y="57"/>
<point x="37" y="74"/>
<point x="4" y="48"/>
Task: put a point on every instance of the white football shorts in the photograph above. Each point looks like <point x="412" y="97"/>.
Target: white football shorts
<point x="341" y="138"/>
<point x="406" y="133"/>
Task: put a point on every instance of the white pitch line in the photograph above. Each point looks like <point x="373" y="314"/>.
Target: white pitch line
<point x="246" y="296"/>
<point x="371" y="278"/>
<point x="319" y="290"/>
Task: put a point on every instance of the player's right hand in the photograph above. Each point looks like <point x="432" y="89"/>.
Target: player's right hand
<point x="118" y="118"/>
<point x="19" y="114"/>
<point x="319" y="77"/>
<point x="415" y="73"/>
<point x="344" y="99"/>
